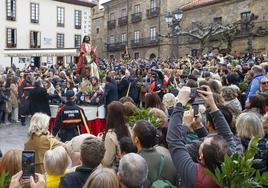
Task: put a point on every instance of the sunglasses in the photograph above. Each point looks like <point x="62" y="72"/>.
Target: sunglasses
<point x="264" y="82"/>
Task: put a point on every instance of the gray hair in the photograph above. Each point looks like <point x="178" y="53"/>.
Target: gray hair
<point x="133" y="169"/>
<point x="249" y="124"/>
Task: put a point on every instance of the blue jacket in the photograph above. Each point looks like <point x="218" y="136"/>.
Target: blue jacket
<point x="254" y="85"/>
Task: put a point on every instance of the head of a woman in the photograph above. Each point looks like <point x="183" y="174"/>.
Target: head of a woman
<point x="39" y="124"/>
<point x="258" y="102"/>
<point x="248" y="125"/>
<point x="56" y="161"/>
<point x="11" y="162"/>
<point x="152" y="100"/>
<point x="116" y="121"/>
<point x="102" y="178"/>
<point x="169" y="100"/>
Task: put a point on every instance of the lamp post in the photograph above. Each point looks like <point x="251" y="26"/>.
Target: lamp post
<point x="173" y="20"/>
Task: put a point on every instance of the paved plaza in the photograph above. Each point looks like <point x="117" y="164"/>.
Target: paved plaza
<point x="12" y="137"/>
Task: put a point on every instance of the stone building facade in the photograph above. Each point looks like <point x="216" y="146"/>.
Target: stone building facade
<point x="140" y="25"/>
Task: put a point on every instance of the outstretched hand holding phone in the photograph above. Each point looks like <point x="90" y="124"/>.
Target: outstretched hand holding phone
<point x="207" y="95"/>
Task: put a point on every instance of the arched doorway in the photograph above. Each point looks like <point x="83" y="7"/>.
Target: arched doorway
<point x="152" y="56"/>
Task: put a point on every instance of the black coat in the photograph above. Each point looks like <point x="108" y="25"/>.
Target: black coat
<point x="123" y="87"/>
<point x="39" y="101"/>
<point x="76" y="179"/>
<point x="110" y="92"/>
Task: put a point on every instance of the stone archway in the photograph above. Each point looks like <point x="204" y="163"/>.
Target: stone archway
<point x="151" y="53"/>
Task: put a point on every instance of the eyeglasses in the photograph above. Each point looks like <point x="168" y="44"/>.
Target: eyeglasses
<point x="264" y="82"/>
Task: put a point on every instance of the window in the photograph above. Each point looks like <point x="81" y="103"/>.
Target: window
<point x="137" y="9"/>
<point x="11" y="36"/>
<point x="60" y="40"/>
<point x="136" y="55"/>
<point x="153" y="4"/>
<point x="60" y="16"/>
<point x="123" y="38"/>
<point x="34" y="13"/>
<point x="123" y="12"/>
<point x="153" y="33"/>
<point x="77" y="19"/>
<point x="97" y="30"/>
<point x="245" y="18"/>
<point x="218" y="20"/>
<point x="245" y="15"/>
<point x="77" y="41"/>
<point x="35" y="39"/>
<point x="11" y="9"/>
<point x="112" y="39"/>
<point x="136" y="36"/>
<point x="112" y="16"/>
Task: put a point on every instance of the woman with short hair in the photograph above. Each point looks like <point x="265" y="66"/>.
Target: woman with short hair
<point x="40" y="140"/>
<point x="249" y="125"/>
<point x="55" y="162"/>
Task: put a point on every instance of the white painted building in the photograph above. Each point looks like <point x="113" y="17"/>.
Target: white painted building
<point x="42" y="31"/>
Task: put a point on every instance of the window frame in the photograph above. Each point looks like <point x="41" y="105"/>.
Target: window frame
<point x="75" y="37"/>
<point x="61" y="21"/>
<point x="123" y="38"/>
<point x="153" y="37"/>
<point x="137" y="8"/>
<point x="77" y="19"/>
<point x="34" y="13"/>
<point x="59" y="42"/>
<point x="111" y="41"/>
<point x="11" y="11"/>
<point x="137" y="36"/>
<point x="38" y="42"/>
<point x="13" y="43"/>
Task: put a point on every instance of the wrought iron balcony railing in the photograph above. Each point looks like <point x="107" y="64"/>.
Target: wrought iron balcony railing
<point x="153" y="12"/>
<point x="117" y="46"/>
<point x="111" y="24"/>
<point x="123" y="21"/>
<point x="136" y="17"/>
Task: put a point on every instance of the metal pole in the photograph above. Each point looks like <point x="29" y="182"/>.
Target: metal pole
<point x="11" y="61"/>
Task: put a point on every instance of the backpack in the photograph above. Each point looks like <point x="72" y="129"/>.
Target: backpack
<point x="158" y="183"/>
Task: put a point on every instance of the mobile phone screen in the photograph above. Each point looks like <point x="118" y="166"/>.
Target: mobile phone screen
<point x="28" y="164"/>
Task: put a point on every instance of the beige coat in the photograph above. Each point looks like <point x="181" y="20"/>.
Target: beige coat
<point x="113" y="152"/>
<point x="40" y="144"/>
<point x="14" y="95"/>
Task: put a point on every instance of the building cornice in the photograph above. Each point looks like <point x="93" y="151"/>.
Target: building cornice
<point x="85" y="3"/>
<point x="200" y="3"/>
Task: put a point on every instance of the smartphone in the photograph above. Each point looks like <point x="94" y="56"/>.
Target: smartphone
<point x="28" y="164"/>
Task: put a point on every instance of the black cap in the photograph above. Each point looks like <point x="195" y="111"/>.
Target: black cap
<point x="70" y="94"/>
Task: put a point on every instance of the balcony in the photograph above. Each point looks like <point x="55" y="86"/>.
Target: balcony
<point x="259" y="28"/>
<point x="111" y="24"/>
<point x="136" y="43"/>
<point x="136" y="17"/>
<point x="123" y="21"/>
<point x="118" y="46"/>
<point x="145" y="42"/>
<point x="153" y="12"/>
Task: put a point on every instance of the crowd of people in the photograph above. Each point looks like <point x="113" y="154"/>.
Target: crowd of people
<point x="208" y="107"/>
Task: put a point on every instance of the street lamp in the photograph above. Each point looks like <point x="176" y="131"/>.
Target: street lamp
<point x="173" y="20"/>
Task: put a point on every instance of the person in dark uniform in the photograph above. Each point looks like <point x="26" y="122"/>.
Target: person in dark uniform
<point x="24" y="91"/>
<point x="69" y="119"/>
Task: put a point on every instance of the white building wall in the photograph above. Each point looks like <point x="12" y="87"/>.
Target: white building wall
<point x="47" y="26"/>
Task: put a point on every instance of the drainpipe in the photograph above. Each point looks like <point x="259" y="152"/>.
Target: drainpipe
<point x="159" y="24"/>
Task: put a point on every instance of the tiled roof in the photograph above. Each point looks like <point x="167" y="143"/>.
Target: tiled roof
<point x="87" y="3"/>
<point x="199" y="3"/>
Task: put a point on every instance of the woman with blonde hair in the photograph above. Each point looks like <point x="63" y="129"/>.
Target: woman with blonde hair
<point x="169" y="101"/>
<point x="55" y="162"/>
<point x="249" y="125"/>
<point x="40" y="140"/>
<point x="11" y="163"/>
<point x="102" y="178"/>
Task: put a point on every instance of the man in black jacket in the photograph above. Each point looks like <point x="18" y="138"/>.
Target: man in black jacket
<point x="92" y="153"/>
<point x="110" y="91"/>
<point x="39" y="100"/>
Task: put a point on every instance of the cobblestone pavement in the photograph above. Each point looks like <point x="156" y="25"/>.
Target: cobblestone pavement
<point x="12" y="137"/>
